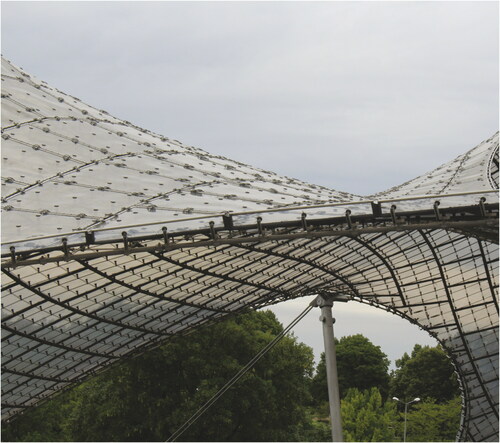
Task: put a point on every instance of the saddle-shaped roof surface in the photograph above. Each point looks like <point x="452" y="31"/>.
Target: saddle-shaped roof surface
<point x="115" y="238"/>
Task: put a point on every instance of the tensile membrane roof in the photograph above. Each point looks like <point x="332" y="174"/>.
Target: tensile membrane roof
<point x="115" y="238"/>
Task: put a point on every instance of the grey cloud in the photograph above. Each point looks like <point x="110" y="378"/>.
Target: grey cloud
<point x="358" y="96"/>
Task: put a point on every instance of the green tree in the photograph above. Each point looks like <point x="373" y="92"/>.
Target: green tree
<point x="360" y="365"/>
<point x="427" y="373"/>
<point x="317" y="427"/>
<point x="148" y="397"/>
<point x="44" y="423"/>
<point x="430" y="421"/>
<point x="366" y="417"/>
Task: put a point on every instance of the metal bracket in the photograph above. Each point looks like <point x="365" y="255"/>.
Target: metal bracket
<point x="348" y="218"/>
<point x="303" y="220"/>
<point x="327" y="299"/>
<point x="482" y="208"/>
<point x="259" y="226"/>
<point x="89" y="237"/>
<point x="227" y="219"/>
<point x="376" y="208"/>
<point x="125" y="242"/>
<point x="166" y="240"/>
<point x="393" y="215"/>
<point x="65" y="247"/>
<point x="13" y="255"/>
<point x="436" y="210"/>
<point x="213" y="234"/>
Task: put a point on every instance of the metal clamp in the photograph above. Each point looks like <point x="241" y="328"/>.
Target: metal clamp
<point x="125" y="241"/>
<point x="393" y="214"/>
<point x="227" y="219"/>
<point x="13" y="255"/>
<point x="348" y="218"/>
<point x="303" y="220"/>
<point x="436" y="210"/>
<point x="213" y="234"/>
<point x="89" y="237"/>
<point x="327" y="299"/>
<point x="65" y="247"/>
<point x="482" y="207"/>
<point x="259" y="226"/>
<point x="376" y="208"/>
<point x="166" y="240"/>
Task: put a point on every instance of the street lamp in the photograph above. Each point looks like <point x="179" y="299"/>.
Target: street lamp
<point x="406" y="410"/>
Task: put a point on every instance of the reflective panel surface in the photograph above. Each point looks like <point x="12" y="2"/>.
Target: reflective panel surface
<point x="115" y="238"/>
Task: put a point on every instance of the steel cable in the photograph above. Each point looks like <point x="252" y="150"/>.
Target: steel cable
<point x="238" y="376"/>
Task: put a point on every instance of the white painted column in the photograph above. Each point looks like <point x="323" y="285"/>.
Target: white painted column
<point x="325" y="302"/>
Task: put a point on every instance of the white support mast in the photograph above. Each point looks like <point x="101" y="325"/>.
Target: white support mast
<point x="325" y="302"/>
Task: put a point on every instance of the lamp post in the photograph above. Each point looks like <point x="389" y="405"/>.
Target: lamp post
<point x="406" y="410"/>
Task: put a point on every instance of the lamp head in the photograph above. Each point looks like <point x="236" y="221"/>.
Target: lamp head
<point x="395" y="398"/>
<point x="416" y="399"/>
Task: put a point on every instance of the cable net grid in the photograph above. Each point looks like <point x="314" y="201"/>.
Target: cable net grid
<point x="78" y="297"/>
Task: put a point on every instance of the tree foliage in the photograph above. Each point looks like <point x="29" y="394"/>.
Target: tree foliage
<point x="427" y="374"/>
<point x="148" y="397"/>
<point x="430" y="421"/>
<point x="366" y="417"/>
<point x="360" y="365"/>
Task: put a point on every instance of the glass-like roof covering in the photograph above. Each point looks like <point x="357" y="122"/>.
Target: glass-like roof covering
<point x="115" y="238"/>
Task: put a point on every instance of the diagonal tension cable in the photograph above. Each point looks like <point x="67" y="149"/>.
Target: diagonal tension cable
<point x="236" y="377"/>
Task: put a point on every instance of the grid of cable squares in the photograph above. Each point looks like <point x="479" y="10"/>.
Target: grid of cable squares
<point x="116" y="238"/>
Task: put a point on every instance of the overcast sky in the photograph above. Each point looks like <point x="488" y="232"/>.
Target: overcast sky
<point x="356" y="96"/>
